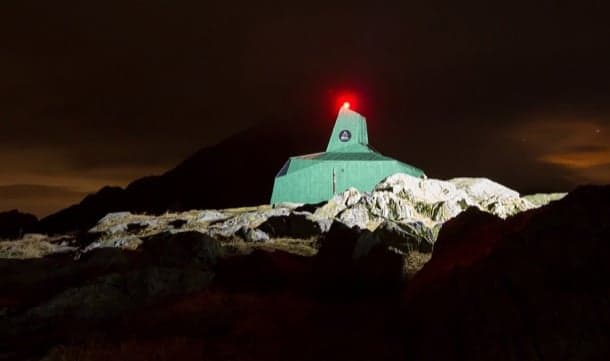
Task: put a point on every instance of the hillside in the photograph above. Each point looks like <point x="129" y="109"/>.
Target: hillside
<point x="497" y="281"/>
<point x="211" y="178"/>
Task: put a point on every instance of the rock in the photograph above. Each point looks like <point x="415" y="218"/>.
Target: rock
<point x="136" y="227"/>
<point x="309" y="208"/>
<point x="250" y="219"/>
<point x="289" y="205"/>
<point x="412" y="242"/>
<point x="542" y="199"/>
<point x="470" y="225"/>
<point x="461" y="242"/>
<point x="442" y="200"/>
<point x="114" y="217"/>
<point x="355" y="216"/>
<point x="127" y="242"/>
<point x="492" y="197"/>
<point x="32" y="246"/>
<point x="180" y="249"/>
<point x="336" y="253"/>
<point x="261" y="271"/>
<point x="427" y="203"/>
<point x="417" y="206"/>
<point x="406" y="238"/>
<point x="124" y="222"/>
<point x="14" y="224"/>
<point x="253" y="235"/>
<point x="382" y="268"/>
<point x="387" y="205"/>
<point x="539" y="279"/>
<point x="356" y="259"/>
<point x="338" y="203"/>
<point x="111" y="295"/>
<point x="419" y="190"/>
<point x="208" y="216"/>
<point x="323" y="223"/>
<point x="119" y="228"/>
<point x="178" y="223"/>
<point x="294" y="226"/>
<point x="483" y="189"/>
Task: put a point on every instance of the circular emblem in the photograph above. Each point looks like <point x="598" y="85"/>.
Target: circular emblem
<point x="345" y="135"/>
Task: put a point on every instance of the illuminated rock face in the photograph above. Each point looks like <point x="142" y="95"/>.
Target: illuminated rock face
<point x="348" y="162"/>
<point x="429" y="203"/>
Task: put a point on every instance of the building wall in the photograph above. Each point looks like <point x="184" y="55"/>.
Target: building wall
<point x="311" y="181"/>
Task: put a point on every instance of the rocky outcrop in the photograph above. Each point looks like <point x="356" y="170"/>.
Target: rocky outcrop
<point x="421" y="206"/>
<point x="439" y="201"/>
<point x="182" y="249"/>
<point x="532" y="286"/>
<point x="406" y="199"/>
<point x="541" y="199"/>
<point x="539" y="279"/>
<point x="401" y="206"/>
<point x="359" y="258"/>
<point x="406" y="238"/>
<point x="64" y="295"/>
<point x="251" y="218"/>
<point x="114" y="294"/>
<point x="253" y="235"/>
<point x="294" y="225"/>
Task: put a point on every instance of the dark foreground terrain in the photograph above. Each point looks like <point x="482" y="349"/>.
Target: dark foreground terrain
<point x="533" y="287"/>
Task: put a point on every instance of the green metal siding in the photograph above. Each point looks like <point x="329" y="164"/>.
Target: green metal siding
<point x="309" y="178"/>
<point x="314" y="183"/>
<point x="355" y="124"/>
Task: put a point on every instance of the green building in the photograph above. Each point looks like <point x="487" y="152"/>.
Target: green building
<point x="349" y="161"/>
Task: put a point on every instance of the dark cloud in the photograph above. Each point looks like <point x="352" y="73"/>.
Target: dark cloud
<point x="102" y="92"/>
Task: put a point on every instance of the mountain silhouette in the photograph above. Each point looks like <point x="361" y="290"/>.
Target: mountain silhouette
<point x="236" y="172"/>
<point x="14" y="223"/>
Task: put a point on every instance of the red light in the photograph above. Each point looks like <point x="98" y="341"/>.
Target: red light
<point x="345" y="100"/>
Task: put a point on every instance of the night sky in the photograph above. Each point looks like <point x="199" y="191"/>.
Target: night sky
<point x="96" y="93"/>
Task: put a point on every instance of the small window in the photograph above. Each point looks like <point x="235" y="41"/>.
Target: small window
<point x="345" y="135"/>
